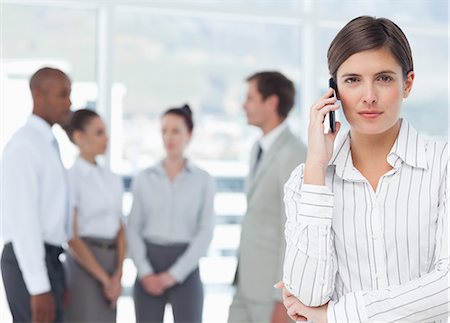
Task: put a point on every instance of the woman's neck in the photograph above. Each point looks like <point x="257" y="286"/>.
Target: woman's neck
<point x="88" y="157"/>
<point x="174" y="165"/>
<point x="369" y="153"/>
<point x="372" y="148"/>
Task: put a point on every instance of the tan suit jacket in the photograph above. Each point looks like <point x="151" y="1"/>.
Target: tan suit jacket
<point x="262" y="244"/>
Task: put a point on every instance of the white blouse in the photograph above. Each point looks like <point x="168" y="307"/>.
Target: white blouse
<point x="96" y="193"/>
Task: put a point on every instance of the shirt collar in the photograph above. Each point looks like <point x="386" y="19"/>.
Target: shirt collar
<point x="342" y="159"/>
<point x="86" y="167"/>
<point x="409" y="147"/>
<point x="41" y="126"/>
<point x="188" y="166"/>
<point x="269" y="138"/>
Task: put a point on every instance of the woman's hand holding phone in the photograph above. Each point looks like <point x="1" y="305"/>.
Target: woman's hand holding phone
<point x="320" y="145"/>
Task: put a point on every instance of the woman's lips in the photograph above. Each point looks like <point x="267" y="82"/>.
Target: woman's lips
<point x="370" y="114"/>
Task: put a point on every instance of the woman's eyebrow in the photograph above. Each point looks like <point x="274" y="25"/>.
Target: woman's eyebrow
<point x="350" y="75"/>
<point x="386" y="72"/>
<point x="378" y="73"/>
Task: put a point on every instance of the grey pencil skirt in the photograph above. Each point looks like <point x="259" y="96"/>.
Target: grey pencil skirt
<point x="87" y="302"/>
<point x="186" y="298"/>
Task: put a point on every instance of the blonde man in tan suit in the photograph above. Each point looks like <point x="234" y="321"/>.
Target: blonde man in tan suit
<point x="270" y="97"/>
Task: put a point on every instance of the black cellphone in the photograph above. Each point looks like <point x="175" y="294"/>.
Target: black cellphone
<point x="331" y="115"/>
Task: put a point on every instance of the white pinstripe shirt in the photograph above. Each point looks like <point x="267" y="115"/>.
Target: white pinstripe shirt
<point x="375" y="256"/>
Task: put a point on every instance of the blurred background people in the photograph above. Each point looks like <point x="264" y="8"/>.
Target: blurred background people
<point x="170" y="227"/>
<point x="35" y="205"/>
<point x="270" y="97"/>
<point x="97" y="247"/>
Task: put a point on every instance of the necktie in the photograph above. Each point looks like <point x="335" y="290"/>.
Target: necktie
<point x="258" y="158"/>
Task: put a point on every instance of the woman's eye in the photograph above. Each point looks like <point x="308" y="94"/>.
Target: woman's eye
<point x="385" y="78"/>
<point x="351" y="80"/>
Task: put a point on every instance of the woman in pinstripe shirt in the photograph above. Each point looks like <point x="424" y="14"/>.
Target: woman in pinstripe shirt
<point x="367" y="220"/>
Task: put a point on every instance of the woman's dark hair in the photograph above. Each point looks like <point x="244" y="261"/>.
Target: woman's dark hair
<point x="78" y="121"/>
<point x="368" y="33"/>
<point x="185" y="112"/>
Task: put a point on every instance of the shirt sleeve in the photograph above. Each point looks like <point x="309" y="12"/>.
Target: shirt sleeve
<point x="120" y="193"/>
<point x="74" y="199"/>
<point x="188" y="261"/>
<point x="310" y="259"/>
<point x="22" y="202"/>
<point x="135" y="226"/>
<point x="73" y="194"/>
<point x="421" y="300"/>
<point x="289" y="164"/>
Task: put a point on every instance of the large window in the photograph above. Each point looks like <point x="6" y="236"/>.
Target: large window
<point x="167" y="60"/>
<point x="37" y="36"/>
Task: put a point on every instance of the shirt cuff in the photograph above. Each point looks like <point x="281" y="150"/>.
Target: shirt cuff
<point x="178" y="273"/>
<point x="37" y="283"/>
<point x="144" y="269"/>
<point x="349" y="308"/>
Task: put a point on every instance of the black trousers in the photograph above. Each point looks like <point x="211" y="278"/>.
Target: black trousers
<point x="186" y="298"/>
<point x="19" y="298"/>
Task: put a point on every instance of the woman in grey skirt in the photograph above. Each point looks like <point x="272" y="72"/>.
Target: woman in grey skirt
<point x="97" y="246"/>
<point x="170" y="227"/>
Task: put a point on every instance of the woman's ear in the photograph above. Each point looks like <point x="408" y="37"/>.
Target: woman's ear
<point x="77" y="137"/>
<point x="408" y="84"/>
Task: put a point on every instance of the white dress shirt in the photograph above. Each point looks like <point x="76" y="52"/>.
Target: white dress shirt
<point x="262" y="146"/>
<point x="35" y="199"/>
<point x="96" y="193"/>
<point x="269" y="138"/>
<point x="374" y="255"/>
<point x="169" y="212"/>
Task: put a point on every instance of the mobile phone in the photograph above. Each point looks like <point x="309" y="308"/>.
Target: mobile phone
<point x="331" y="115"/>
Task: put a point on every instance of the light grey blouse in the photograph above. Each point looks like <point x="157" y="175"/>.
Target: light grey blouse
<point x="171" y="212"/>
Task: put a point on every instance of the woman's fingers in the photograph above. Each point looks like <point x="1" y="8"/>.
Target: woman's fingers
<point x="323" y="102"/>
<point x="295" y="315"/>
<point x="286" y="293"/>
<point x="291" y="300"/>
<point x="324" y="105"/>
<point x="319" y="113"/>
<point x="328" y="94"/>
<point x="279" y="285"/>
